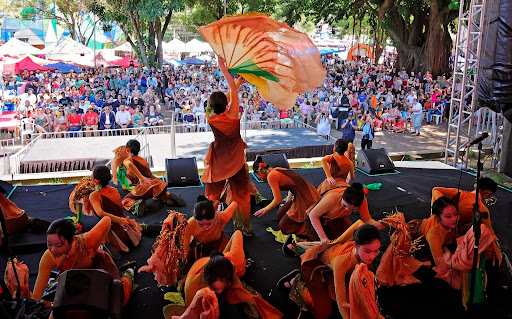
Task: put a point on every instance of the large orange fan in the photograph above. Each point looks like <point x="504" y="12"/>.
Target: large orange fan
<point x="280" y="61"/>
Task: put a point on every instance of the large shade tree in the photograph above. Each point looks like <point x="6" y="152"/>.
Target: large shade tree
<point x="144" y="23"/>
<point x="419" y="28"/>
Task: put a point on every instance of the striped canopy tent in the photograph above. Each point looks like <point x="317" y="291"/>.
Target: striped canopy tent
<point x="359" y="50"/>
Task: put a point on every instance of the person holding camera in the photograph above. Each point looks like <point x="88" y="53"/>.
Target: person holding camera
<point x="349" y="127"/>
<point x="323" y="123"/>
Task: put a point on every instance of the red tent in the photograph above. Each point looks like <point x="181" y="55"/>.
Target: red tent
<point x="125" y="62"/>
<point x="28" y="64"/>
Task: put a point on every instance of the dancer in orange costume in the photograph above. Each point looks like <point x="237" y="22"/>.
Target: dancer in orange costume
<point x="225" y="160"/>
<point x="326" y="268"/>
<point x="337" y="168"/>
<point x="148" y="185"/>
<point x="440" y="229"/>
<point x="205" y="230"/>
<point x="301" y="195"/>
<point x="220" y="272"/>
<point x="106" y="201"/>
<point x="69" y="251"/>
<point x="329" y="218"/>
<point x="464" y="201"/>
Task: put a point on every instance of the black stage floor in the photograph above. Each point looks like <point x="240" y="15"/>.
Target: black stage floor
<point x="409" y="191"/>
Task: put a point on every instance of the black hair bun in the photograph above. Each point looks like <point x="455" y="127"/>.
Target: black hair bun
<point x="201" y="198"/>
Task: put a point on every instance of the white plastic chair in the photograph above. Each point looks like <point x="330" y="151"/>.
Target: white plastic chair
<point x="27" y="128"/>
<point x="201" y="122"/>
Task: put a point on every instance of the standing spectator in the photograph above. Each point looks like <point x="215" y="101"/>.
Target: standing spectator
<point x="349" y="127"/>
<point x="74" y="122"/>
<point x="323" y="123"/>
<point x="417" y="116"/>
<point x="367" y="139"/>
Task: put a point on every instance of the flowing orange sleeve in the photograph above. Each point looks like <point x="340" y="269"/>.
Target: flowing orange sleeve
<point x="365" y="213"/>
<point x="189" y="232"/>
<point x="45" y="268"/>
<point x="442" y="191"/>
<point x="326" y="162"/>
<point x="94" y="198"/>
<point x="96" y="236"/>
<point x="435" y="242"/>
<point x="234" y="251"/>
<point x="340" y="266"/>
<point x="273" y="182"/>
<point x="228" y="212"/>
<point x="133" y="169"/>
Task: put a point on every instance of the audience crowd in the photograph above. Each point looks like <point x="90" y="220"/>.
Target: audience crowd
<point x="355" y="96"/>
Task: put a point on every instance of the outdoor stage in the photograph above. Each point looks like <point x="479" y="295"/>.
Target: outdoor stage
<point x="409" y="191"/>
<point x="84" y="152"/>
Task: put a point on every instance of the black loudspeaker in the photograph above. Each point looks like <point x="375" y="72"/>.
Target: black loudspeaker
<point x="89" y="293"/>
<point x="375" y="161"/>
<point x="275" y="160"/>
<point x="495" y="70"/>
<point x="181" y="172"/>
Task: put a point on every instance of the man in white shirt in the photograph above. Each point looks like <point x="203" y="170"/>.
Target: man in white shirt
<point x="123" y="117"/>
<point x="417" y="116"/>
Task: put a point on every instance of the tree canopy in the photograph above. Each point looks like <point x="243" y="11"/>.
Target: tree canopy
<point x="419" y="28"/>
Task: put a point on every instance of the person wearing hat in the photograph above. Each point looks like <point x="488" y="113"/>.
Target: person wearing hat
<point x="74" y="122"/>
<point x="91" y="119"/>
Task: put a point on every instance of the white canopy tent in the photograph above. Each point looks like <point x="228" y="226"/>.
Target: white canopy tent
<point x="174" y="46"/>
<point x="17" y="47"/>
<point x="66" y="46"/>
<point x="196" y="46"/>
<point x="127" y="47"/>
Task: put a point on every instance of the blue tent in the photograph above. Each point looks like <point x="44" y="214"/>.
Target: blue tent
<point x="174" y="62"/>
<point x="64" y="67"/>
<point x="194" y="61"/>
<point x="328" y="51"/>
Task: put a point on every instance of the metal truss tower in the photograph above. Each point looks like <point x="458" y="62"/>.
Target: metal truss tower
<point x="465" y="81"/>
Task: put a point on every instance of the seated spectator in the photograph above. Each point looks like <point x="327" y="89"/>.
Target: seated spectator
<point x="51" y="119"/>
<point x="107" y="119"/>
<point x="254" y="120"/>
<point x="91" y="119"/>
<point x="398" y="126"/>
<point x="123" y="117"/>
<point x="188" y="120"/>
<point x="41" y="120"/>
<point x="153" y="118"/>
<point x="61" y="119"/>
<point x="284" y="117"/>
<point x="137" y="120"/>
<point x="74" y="122"/>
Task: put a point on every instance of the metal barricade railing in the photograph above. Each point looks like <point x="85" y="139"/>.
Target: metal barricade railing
<point x="15" y="160"/>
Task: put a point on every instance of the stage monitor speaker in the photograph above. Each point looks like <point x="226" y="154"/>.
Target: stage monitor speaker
<point x="89" y="293"/>
<point x="181" y="172"/>
<point x="375" y="161"/>
<point x="275" y="160"/>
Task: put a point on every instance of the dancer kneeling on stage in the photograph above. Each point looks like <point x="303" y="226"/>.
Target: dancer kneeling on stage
<point x="205" y="230"/>
<point x="69" y="251"/>
<point x="337" y="168"/>
<point x="106" y="201"/>
<point x="439" y="230"/>
<point x="343" y="267"/>
<point x="329" y="218"/>
<point x="301" y="195"/>
<point x="148" y="185"/>
<point x="220" y="273"/>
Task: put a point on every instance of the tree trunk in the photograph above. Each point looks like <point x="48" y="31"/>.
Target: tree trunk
<point x="438" y="46"/>
<point x="151" y="44"/>
<point x="140" y="41"/>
